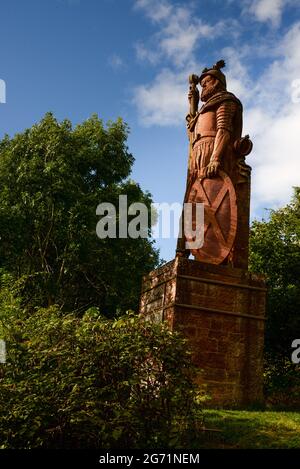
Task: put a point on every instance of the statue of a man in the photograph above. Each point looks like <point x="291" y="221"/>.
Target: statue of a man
<point x="217" y="152"/>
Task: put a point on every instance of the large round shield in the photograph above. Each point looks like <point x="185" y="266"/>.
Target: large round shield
<point x="220" y="217"/>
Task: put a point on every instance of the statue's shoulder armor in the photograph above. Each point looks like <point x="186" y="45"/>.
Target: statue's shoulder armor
<point x="218" y="99"/>
<point x="212" y="105"/>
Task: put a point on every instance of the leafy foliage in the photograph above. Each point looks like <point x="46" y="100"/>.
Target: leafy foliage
<point x="90" y="382"/>
<point x="275" y="252"/>
<point x="282" y="383"/>
<point x="52" y="179"/>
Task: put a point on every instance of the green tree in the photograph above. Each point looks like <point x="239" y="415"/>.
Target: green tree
<point x="275" y="252"/>
<point x="52" y="178"/>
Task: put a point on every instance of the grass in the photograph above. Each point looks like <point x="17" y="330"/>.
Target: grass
<point x="250" y="429"/>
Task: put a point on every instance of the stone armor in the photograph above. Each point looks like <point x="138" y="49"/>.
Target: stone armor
<point x="215" y="136"/>
<point x="215" y="115"/>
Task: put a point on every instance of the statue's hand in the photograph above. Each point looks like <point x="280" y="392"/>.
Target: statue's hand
<point x="212" y="169"/>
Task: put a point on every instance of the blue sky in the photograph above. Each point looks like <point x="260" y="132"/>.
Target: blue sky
<point x="132" y="58"/>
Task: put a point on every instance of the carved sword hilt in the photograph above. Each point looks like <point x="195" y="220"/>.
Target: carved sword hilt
<point x="194" y="92"/>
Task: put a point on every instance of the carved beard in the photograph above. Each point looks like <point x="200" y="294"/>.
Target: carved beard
<point x="211" y="91"/>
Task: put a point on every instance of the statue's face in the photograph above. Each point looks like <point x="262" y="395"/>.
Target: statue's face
<point x="210" y="86"/>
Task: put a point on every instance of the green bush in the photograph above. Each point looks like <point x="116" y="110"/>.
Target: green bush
<point x="91" y="382"/>
<point x="282" y="383"/>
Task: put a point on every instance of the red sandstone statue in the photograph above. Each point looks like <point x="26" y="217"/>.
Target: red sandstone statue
<point x="218" y="176"/>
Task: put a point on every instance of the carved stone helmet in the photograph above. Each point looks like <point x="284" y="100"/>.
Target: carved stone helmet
<point x="215" y="71"/>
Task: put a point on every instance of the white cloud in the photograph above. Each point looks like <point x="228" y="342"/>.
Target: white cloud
<point x="144" y="53"/>
<point x="237" y="76"/>
<point x="164" y="101"/>
<point x="156" y="10"/>
<point x="271" y="118"/>
<point x="277" y="165"/>
<point x="178" y="34"/>
<point x="268" y="10"/>
<point x="276" y="132"/>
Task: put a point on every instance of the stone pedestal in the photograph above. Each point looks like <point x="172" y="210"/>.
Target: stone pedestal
<point x="221" y="310"/>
